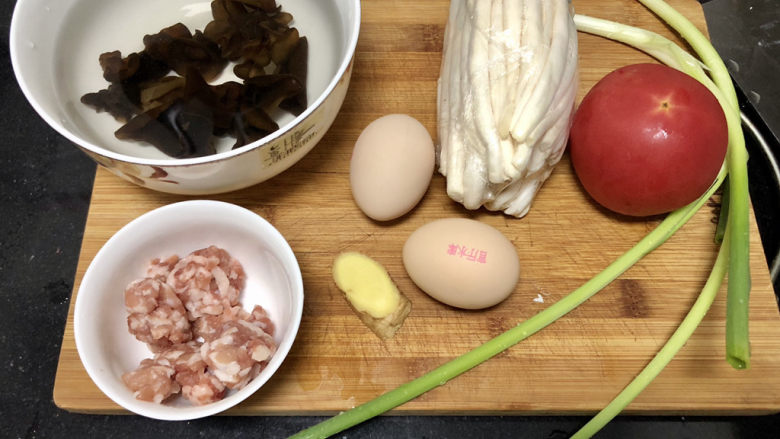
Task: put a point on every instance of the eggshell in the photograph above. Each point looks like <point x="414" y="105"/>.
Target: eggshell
<point x="391" y="166"/>
<point x="462" y="262"/>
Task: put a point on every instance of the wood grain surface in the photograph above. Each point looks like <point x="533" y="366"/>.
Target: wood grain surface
<point x="576" y="365"/>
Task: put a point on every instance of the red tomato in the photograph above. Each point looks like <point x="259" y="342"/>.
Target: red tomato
<point x="648" y="139"/>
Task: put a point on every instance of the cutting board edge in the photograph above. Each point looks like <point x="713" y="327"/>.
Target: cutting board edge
<point x="400" y="411"/>
<point x="61" y="398"/>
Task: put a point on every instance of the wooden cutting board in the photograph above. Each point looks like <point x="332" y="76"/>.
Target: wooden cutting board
<point x="576" y="365"/>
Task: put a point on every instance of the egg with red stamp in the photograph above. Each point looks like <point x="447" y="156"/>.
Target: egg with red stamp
<point x="391" y="166"/>
<point x="462" y="262"/>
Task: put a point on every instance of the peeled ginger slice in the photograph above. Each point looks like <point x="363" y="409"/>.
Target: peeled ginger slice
<point x="371" y="293"/>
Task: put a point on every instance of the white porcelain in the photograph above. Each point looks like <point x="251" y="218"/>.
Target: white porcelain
<point x="107" y="349"/>
<point x="54" y="46"/>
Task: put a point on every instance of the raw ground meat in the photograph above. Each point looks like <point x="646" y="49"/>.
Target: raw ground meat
<point x="151" y="382"/>
<point x="156" y="314"/>
<point x="177" y="368"/>
<point x="160" y="268"/>
<point x="208" y="327"/>
<point x="197" y="384"/>
<point x="208" y="281"/>
<point x="239" y="352"/>
<point x="201" y="387"/>
<point x="184" y="301"/>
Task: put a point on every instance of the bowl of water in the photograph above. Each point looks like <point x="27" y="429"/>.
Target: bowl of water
<point x="56" y="49"/>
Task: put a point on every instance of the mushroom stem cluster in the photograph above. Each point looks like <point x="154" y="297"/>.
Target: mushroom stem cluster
<point x="505" y="99"/>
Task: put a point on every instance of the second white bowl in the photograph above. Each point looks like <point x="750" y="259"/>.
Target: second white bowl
<point x="273" y="280"/>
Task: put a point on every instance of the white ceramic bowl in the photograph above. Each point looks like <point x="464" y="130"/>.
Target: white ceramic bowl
<point x="54" y="46"/>
<point x="273" y="280"/>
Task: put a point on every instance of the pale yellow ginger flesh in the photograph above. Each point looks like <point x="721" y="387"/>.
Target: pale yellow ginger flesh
<point x="366" y="283"/>
<point x="371" y="293"/>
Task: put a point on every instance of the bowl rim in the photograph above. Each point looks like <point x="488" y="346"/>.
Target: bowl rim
<point x="283" y="349"/>
<point x="91" y="147"/>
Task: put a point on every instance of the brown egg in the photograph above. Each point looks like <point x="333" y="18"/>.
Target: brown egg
<point x="391" y="166"/>
<point x="461" y="262"/>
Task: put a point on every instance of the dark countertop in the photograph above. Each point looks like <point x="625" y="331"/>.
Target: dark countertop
<point x="747" y="34"/>
<point x="45" y="186"/>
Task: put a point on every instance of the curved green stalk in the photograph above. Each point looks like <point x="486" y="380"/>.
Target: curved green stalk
<point x="650" y="43"/>
<point x="737" y="340"/>
<point x="668" y="351"/>
<point x="720" y="230"/>
<point x="655" y="45"/>
<point x="473" y="358"/>
<point x="737" y="303"/>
